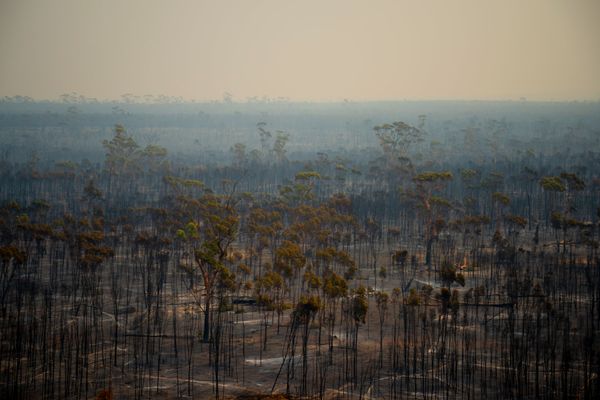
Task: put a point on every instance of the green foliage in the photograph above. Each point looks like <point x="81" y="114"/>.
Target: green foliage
<point x="326" y="255"/>
<point x="245" y="269"/>
<point x="381" y="299"/>
<point x="560" y="221"/>
<point x="433" y="176"/>
<point x="313" y="281"/>
<point x="413" y="298"/>
<point x="517" y="220"/>
<point x="573" y="181"/>
<point x="68" y="165"/>
<point x="360" y="305"/>
<point x="440" y="202"/>
<point x="307" y="175"/>
<point x="191" y="230"/>
<point x="476" y="220"/>
<point x="8" y="253"/>
<point x="271" y="280"/>
<point x="395" y="138"/>
<point x="208" y="255"/>
<point x="501" y="198"/>
<point x="36" y="231"/>
<point x="226" y="279"/>
<point x="94" y="255"/>
<point x="289" y="258"/>
<point x="23" y="219"/>
<point x="154" y="151"/>
<point x="553" y="183"/>
<point x="448" y="274"/>
<point x="264" y="300"/>
<point x="298" y="192"/>
<point x="334" y="286"/>
<point x="426" y="290"/>
<point x="330" y="255"/>
<point x="181" y="185"/>
<point x="122" y="152"/>
<point x="211" y="228"/>
<point x="307" y="308"/>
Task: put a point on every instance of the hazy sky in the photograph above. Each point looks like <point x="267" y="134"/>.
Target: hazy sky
<point x="304" y="50"/>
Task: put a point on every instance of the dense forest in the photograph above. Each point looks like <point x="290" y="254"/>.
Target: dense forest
<point x="226" y="250"/>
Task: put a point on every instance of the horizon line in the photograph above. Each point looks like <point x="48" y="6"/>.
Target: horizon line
<point x="255" y="100"/>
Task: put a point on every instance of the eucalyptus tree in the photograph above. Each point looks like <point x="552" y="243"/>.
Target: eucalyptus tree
<point x="569" y="184"/>
<point x="373" y="232"/>
<point x="238" y="151"/>
<point x="335" y="288"/>
<point x="281" y="139"/>
<point x="395" y="140"/>
<point x="211" y="232"/>
<point x="269" y="292"/>
<point x="154" y="157"/>
<point x="303" y="315"/>
<point x="125" y="159"/>
<point x="470" y="179"/>
<point x="358" y="308"/>
<point x="263" y="226"/>
<point x="431" y="204"/>
<point x="122" y="154"/>
<point x="500" y="201"/>
<point x="289" y="261"/>
<point x="552" y="186"/>
<point x="302" y="190"/>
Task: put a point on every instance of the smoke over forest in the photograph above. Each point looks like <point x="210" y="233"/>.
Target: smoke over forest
<point x="342" y="250"/>
<point x="299" y="200"/>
